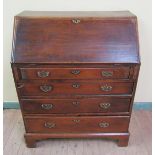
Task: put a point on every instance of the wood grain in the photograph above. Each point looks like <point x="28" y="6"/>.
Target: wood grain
<point x="104" y="105"/>
<point x="74" y="88"/>
<point x="82" y="124"/>
<point x="76" y="73"/>
<point x="58" y="40"/>
<point x="77" y="57"/>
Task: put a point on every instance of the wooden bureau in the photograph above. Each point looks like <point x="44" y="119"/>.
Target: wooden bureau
<point x="75" y="73"/>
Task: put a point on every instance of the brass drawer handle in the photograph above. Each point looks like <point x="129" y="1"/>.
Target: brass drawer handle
<point x="76" y="21"/>
<point x="106" y="88"/>
<point x="42" y="74"/>
<point x="107" y="74"/>
<point x="46" y="88"/>
<point x="75" y="72"/>
<point x="76" y="85"/>
<point x="103" y="124"/>
<point x="21" y="85"/>
<point x="105" y="105"/>
<point x="75" y="103"/>
<point x="76" y="120"/>
<point x="47" y="106"/>
<point x="49" y="125"/>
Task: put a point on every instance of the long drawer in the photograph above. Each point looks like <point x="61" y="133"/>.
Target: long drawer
<point x="73" y="106"/>
<point x="74" y="88"/>
<point x="76" y="124"/>
<point x="75" y="73"/>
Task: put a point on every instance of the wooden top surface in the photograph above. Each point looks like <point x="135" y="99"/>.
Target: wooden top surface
<point x="102" y="14"/>
<point x="53" y="37"/>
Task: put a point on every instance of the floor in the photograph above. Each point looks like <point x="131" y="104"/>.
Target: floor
<point x="139" y="144"/>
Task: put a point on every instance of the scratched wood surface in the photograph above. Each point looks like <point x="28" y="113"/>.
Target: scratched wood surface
<point x="139" y="143"/>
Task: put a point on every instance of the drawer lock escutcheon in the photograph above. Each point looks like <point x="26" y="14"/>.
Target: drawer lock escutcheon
<point x="75" y="103"/>
<point x="76" y="85"/>
<point x="47" y="106"/>
<point x="106" y="88"/>
<point x="103" y="124"/>
<point x="76" y="21"/>
<point x="76" y="120"/>
<point x="42" y="74"/>
<point x="49" y="125"/>
<point x="46" y="88"/>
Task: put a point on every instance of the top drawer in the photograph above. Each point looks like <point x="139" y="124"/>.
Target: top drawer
<point x="75" y="73"/>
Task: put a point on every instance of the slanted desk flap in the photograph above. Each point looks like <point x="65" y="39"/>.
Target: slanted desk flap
<point x="84" y="37"/>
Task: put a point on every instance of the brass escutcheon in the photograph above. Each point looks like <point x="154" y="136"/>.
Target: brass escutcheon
<point x="75" y="103"/>
<point x="76" y="21"/>
<point x="76" y="120"/>
<point x="76" y="85"/>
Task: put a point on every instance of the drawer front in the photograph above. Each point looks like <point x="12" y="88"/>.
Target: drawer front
<point x="75" y="73"/>
<point x="74" y="88"/>
<point x="77" y="124"/>
<point x="70" y="106"/>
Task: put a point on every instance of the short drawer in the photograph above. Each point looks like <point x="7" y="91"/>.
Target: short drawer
<point x="74" y="88"/>
<point x="76" y="124"/>
<point x="75" y="73"/>
<point x="73" y="106"/>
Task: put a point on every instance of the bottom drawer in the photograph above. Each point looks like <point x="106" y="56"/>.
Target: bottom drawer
<point x="76" y="124"/>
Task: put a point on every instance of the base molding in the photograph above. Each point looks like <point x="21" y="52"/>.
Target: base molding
<point x="32" y="138"/>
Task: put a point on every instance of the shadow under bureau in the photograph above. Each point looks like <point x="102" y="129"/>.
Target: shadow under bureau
<point x="75" y="73"/>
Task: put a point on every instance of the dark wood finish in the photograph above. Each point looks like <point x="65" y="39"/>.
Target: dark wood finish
<point x="31" y="138"/>
<point x="72" y="106"/>
<point x="30" y="141"/>
<point x="123" y="141"/>
<point x="63" y="41"/>
<point x="77" y="124"/>
<point x="75" y="73"/>
<point x="76" y="87"/>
